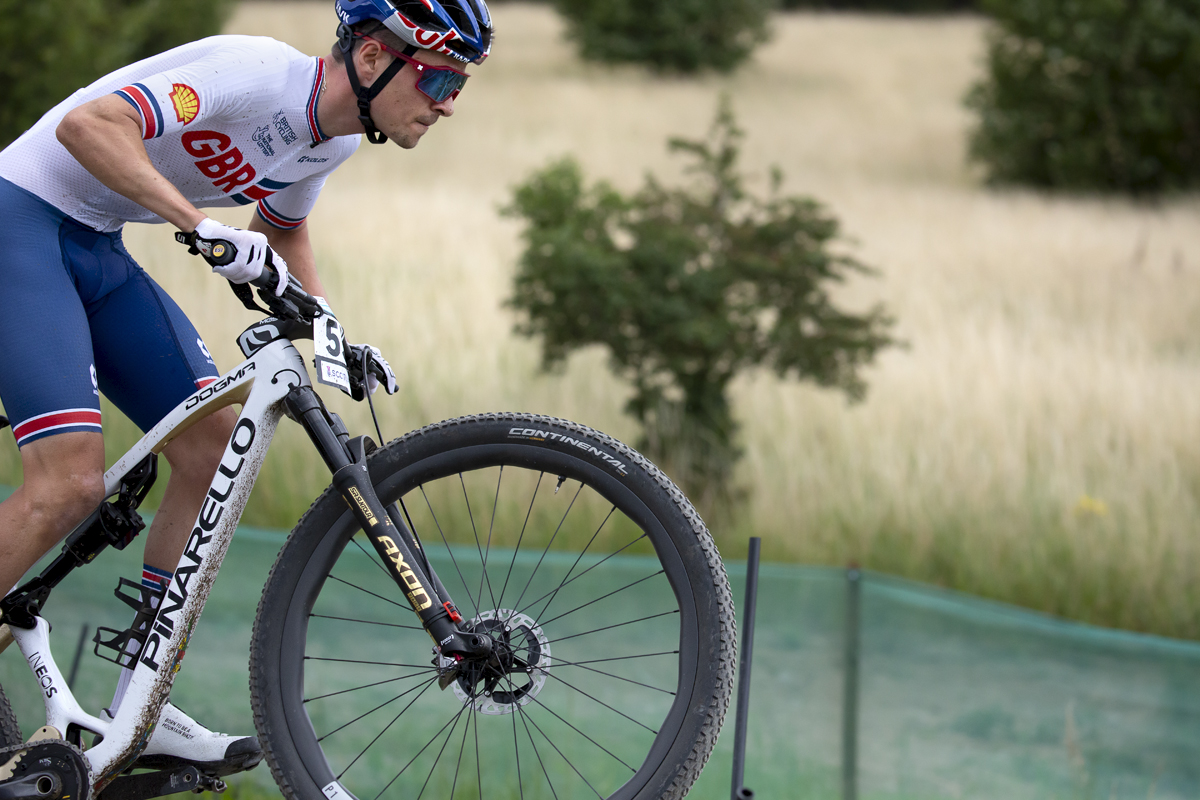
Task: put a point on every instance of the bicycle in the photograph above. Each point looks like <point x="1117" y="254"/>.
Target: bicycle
<point x="604" y="672"/>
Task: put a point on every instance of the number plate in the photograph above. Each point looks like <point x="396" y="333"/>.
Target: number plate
<point x="329" y="347"/>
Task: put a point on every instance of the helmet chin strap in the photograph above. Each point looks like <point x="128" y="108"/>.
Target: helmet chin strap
<point x="366" y="94"/>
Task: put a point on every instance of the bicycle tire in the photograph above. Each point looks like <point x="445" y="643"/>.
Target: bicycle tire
<point x="10" y="731"/>
<point x="637" y="721"/>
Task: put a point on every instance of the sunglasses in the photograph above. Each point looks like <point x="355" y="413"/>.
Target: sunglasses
<point x="436" y="83"/>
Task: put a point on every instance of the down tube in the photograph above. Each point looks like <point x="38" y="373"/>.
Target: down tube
<point x="206" y="547"/>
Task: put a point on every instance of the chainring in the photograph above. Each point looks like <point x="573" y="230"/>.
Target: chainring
<point x="48" y="755"/>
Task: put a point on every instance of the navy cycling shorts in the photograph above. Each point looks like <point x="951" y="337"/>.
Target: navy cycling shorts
<point x="79" y="317"/>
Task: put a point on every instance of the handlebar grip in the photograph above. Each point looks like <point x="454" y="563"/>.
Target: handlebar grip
<point x="217" y="252"/>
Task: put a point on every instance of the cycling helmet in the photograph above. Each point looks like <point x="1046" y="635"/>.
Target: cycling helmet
<point x="458" y="28"/>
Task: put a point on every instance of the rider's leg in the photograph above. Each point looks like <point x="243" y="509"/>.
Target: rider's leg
<point x="194" y="458"/>
<point x="64" y="482"/>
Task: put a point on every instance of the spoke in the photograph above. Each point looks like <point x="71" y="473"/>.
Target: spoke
<point x="418" y="755"/>
<point x="438" y="758"/>
<point x="478" y="547"/>
<point x="536" y="752"/>
<point x="521" y="536"/>
<point x="610" y="627"/>
<point x="545" y="622"/>
<point x="563" y="662"/>
<point x="578" y="558"/>
<point x="372" y="558"/>
<point x="369" y="622"/>
<point x="366" y="686"/>
<point x="372" y="711"/>
<point x="450" y="551"/>
<point x="478" y="768"/>
<point x="550" y="741"/>
<point x="552" y="712"/>
<point x="372" y="663"/>
<point x="462" y="746"/>
<point x="368" y="591"/>
<point x="519" y="711"/>
<point x="625" y="658"/>
<point x="611" y="555"/>
<point x="598" y="701"/>
<point x="516" y="746"/>
<point x="546" y="550"/>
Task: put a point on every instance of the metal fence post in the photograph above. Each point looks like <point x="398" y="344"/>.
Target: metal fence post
<point x="740" y="792"/>
<point x="850" y="667"/>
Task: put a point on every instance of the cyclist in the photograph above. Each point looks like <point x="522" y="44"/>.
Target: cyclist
<point x="229" y="120"/>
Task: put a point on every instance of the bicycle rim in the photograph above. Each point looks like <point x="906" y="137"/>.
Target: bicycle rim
<point x="588" y="581"/>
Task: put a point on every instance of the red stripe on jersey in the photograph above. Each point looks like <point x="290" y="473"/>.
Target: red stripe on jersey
<point x="149" y="121"/>
<point x="314" y="127"/>
<point x="257" y="192"/>
<point x="200" y="384"/>
<point x="57" y="419"/>
<point x="276" y="220"/>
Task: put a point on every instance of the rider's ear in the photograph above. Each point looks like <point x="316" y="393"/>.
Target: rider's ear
<point x="370" y="60"/>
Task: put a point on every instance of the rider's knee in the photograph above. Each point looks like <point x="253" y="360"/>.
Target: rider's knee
<point x="68" y="494"/>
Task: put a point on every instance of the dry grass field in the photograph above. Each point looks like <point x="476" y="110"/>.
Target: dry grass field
<point x="1038" y="440"/>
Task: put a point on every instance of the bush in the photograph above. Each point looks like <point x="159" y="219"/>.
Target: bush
<point x="684" y="36"/>
<point x="53" y="47"/>
<point x="1091" y="94"/>
<point x="686" y="288"/>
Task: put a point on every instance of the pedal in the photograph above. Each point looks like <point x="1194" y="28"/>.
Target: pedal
<point x="158" y="784"/>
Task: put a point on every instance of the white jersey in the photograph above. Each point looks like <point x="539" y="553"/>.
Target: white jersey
<point x="229" y="120"/>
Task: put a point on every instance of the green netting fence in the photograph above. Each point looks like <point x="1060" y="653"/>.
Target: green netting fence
<point x="957" y="697"/>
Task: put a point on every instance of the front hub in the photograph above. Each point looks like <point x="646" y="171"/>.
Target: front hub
<point x="514" y="673"/>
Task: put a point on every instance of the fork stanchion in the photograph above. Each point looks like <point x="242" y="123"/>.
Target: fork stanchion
<point x="740" y="792"/>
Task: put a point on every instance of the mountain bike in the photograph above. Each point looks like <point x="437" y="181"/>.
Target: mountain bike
<point x="495" y="606"/>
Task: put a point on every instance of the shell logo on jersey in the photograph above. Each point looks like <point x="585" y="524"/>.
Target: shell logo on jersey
<point x="218" y="160"/>
<point x="187" y="103"/>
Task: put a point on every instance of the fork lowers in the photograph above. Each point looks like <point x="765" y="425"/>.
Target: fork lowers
<point x="392" y="541"/>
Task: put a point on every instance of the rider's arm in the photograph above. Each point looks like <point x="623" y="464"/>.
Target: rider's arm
<point x="296" y="249"/>
<point x="105" y="137"/>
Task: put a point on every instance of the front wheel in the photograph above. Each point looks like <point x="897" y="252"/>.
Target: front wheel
<point x="608" y="605"/>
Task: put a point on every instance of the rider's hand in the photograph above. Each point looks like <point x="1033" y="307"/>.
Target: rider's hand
<point x="251" y="251"/>
<point x="356" y="358"/>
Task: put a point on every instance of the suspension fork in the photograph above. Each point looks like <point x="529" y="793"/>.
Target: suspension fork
<point x="385" y="528"/>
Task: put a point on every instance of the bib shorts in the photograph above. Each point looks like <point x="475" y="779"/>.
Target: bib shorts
<point x="79" y="317"/>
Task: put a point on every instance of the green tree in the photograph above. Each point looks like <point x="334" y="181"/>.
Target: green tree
<point x="1091" y="94"/>
<point x="53" y="47"/>
<point x="686" y="288"/>
<point x="667" y="35"/>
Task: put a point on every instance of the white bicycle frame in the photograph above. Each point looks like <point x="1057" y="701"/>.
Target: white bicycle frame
<point x="259" y="384"/>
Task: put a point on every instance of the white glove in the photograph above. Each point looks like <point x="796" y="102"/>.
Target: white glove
<point x="357" y="362"/>
<point x="252" y="249"/>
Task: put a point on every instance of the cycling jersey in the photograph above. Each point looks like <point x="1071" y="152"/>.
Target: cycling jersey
<point x="229" y="120"/>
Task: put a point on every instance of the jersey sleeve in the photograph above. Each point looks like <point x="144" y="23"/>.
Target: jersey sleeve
<point x="289" y="206"/>
<point x="226" y="83"/>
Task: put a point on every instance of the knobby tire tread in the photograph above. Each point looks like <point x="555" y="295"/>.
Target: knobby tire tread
<point x="725" y="660"/>
<point x="10" y="731"/>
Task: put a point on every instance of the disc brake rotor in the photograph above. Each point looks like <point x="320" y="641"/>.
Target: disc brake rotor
<point x="516" y="671"/>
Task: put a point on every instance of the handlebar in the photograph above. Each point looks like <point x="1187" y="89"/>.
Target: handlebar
<point x="294" y="304"/>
